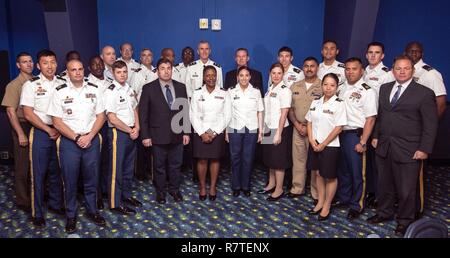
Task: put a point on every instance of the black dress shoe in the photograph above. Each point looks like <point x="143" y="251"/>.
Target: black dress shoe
<point x="39" y="222"/>
<point x="372" y="204"/>
<point x="177" y="197"/>
<point x="293" y="195"/>
<point x="100" y="204"/>
<point x="262" y="191"/>
<point x="60" y="211"/>
<point x="271" y="199"/>
<point x="97" y="219"/>
<point x="160" y="198"/>
<point x="376" y="219"/>
<point x="400" y="230"/>
<point x="24" y="208"/>
<point x="236" y="193"/>
<point x="212" y="197"/>
<point x="313" y="212"/>
<point x="124" y="210"/>
<point x="202" y="197"/>
<point x="352" y="214"/>
<point x="322" y="218"/>
<point x="133" y="202"/>
<point x="247" y="193"/>
<point x="71" y="225"/>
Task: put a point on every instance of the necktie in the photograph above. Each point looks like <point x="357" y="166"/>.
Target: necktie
<point x="169" y="96"/>
<point x="396" y="95"/>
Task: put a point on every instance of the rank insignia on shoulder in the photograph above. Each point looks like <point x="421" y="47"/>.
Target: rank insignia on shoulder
<point x="339" y="100"/>
<point x="62" y="86"/>
<point x="137" y="70"/>
<point x="283" y="86"/>
<point x="365" y="86"/>
<point x="111" y="87"/>
<point x="60" y="78"/>
<point x="297" y="70"/>
<point x="199" y="88"/>
<point x="427" y="67"/>
<point x="176" y="65"/>
<point x="91" y="84"/>
<point x="193" y="63"/>
<point x="232" y="87"/>
<point x="154" y="70"/>
<point x="385" y="69"/>
<point x="34" y="79"/>
<point x="216" y="64"/>
<point x="341" y="65"/>
<point x="312" y="109"/>
<point x="223" y="89"/>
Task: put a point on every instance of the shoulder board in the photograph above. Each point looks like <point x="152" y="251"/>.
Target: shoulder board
<point x="34" y="79"/>
<point x="62" y="86"/>
<point x="232" y="87"/>
<point x="108" y="80"/>
<point x="385" y="69"/>
<point x="137" y="70"/>
<point x="339" y="100"/>
<point x="223" y="89"/>
<point x="154" y="70"/>
<point x="193" y="63"/>
<point x="218" y="65"/>
<point x="283" y="86"/>
<point x="427" y="67"/>
<point x="60" y="78"/>
<point x="297" y="70"/>
<point x="91" y="84"/>
<point x="63" y="73"/>
<point x="86" y="79"/>
<point x="365" y="86"/>
<point x="199" y="88"/>
<point x="111" y="87"/>
<point x="176" y="65"/>
<point x="341" y="65"/>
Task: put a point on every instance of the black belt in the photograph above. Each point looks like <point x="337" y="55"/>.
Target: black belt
<point x="358" y="131"/>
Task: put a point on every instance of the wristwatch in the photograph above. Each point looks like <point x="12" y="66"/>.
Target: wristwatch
<point x="363" y="145"/>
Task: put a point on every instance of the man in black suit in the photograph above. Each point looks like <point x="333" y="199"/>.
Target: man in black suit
<point x="162" y="101"/>
<point x="404" y="136"/>
<point x="241" y="58"/>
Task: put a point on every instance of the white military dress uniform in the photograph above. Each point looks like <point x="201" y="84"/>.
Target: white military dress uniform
<point x="140" y="77"/>
<point x="132" y="66"/>
<point x="291" y="76"/>
<point x="337" y="68"/>
<point x="377" y="76"/>
<point x="194" y="75"/>
<point x="429" y="77"/>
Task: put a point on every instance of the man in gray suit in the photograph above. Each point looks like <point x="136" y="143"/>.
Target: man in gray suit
<point x="404" y="136"/>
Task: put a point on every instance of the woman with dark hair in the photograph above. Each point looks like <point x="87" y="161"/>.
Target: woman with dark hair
<point x="209" y="115"/>
<point x="326" y="117"/>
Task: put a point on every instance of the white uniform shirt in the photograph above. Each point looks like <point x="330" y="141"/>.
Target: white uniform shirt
<point x="36" y="93"/>
<point x="176" y="74"/>
<point x="182" y="69"/>
<point x="108" y="74"/>
<point x="245" y="106"/>
<point x="337" y="68"/>
<point x="377" y="76"/>
<point x="360" y="102"/>
<point x="291" y="76"/>
<point x="77" y="107"/>
<point x="429" y="77"/>
<point x="210" y="110"/>
<point x="132" y="66"/>
<point x="140" y="77"/>
<point x="122" y="101"/>
<point x="277" y="97"/>
<point x="102" y="84"/>
<point x="194" y="75"/>
<point x="325" y="116"/>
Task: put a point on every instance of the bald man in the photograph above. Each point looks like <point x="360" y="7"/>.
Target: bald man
<point x="108" y="56"/>
<point x="126" y="52"/>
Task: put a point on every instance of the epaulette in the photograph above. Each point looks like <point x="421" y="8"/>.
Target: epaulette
<point x="341" y="65"/>
<point x="108" y="79"/>
<point x="176" y="65"/>
<point x="199" y="88"/>
<point x="427" y="67"/>
<point x="137" y="70"/>
<point x="223" y="89"/>
<point x="339" y="100"/>
<point x="64" y="73"/>
<point x="216" y="64"/>
<point x="86" y="79"/>
<point x="154" y="70"/>
<point x="60" y="78"/>
<point x="62" y="86"/>
<point x="232" y="87"/>
<point x="283" y="86"/>
<point x="91" y="84"/>
<point x="297" y="70"/>
<point x="365" y="86"/>
<point x="385" y="69"/>
<point x="193" y="63"/>
<point x="112" y="86"/>
<point x="34" y="79"/>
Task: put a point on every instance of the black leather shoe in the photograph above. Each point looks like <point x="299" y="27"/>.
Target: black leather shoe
<point x="100" y="204"/>
<point x="39" y="222"/>
<point x="212" y="197"/>
<point x="71" y="225"/>
<point x="160" y="198"/>
<point x="322" y="218"/>
<point x="271" y="199"/>
<point x="372" y="204"/>
<point x="262" y="191"/>
<point x="293" y="195"/>
<point x="97" y="219"/>
<point x="133" y="202"/>
<point x="202" y="197"/>
<point x="247" y="193"/>
<point x="177" y="197"/>
<point x="24" y="208"/>
<point x="376" y="219"/>
<point x="353" y="214"/>
<point x="313" y="212"/>
<point x="60" y="211"/>
<point x="124" y="210"/>
<point x="400" y="230"/>
<point x="236" y="193"/>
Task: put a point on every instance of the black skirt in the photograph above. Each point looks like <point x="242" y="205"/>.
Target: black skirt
<point x="278" y="156"/>
<point x="325" y="161"/>
<point x="213" y="150"/>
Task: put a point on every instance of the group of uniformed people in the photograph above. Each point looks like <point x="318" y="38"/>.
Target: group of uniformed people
<point x="318" y="118"/>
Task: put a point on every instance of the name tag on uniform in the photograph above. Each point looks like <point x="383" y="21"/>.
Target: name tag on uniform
<point x="236" y="97"/>
<point x="201" y="99"/>
<point x="90" y="95"/>
<point x="327" y="111"/>
<point x="195" y="75"/>
<point x="291" y="78"/>
<point x="273" y="95"/>
<point x="68" y="100"/>
<point x="312" y="109"/>
<point x="373" y="78"/>
<point x="218" y="97"/>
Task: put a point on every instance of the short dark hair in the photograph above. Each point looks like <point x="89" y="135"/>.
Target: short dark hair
<point x="186" y="48"/>
<point x="330" y="41"/>
<point x="241" y="49"/>
<point x="311" y="58"/>
<point x="243" y="68"/>
<point x="72" y="52"/>
<point x="166" y="49"/>
<point x="121" y="46"/>
<point x="118" y="64"/>
<point x="45" y="52"/>
<point x="163" y="60"/>
<point x="92" y="59"/>
<point x="333" y="76"/>
<point x="354" y="59"/>
<point x="417" y="43"/>
<point x="403" y="57"/>
<point x="275" y="65"/>
<point x="209" y="67"/>
<point x="376" y="44"/>
<point x="22" y="54"/>
<point x="285" y="49"/>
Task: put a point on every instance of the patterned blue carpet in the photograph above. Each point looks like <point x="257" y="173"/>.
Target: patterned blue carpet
<point x="227" y="217"/>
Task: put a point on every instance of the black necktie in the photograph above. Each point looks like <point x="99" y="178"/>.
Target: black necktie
<point x="169" y="96"/>
<point x="396" y="95"/>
